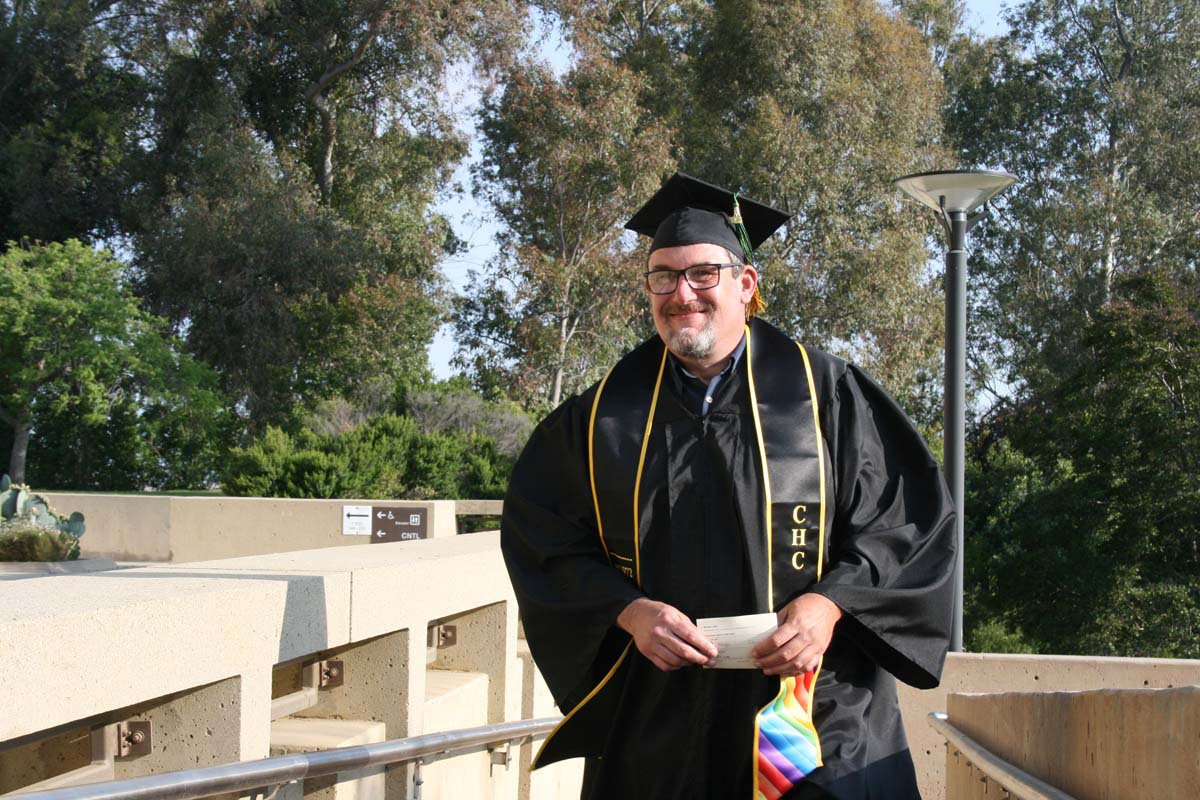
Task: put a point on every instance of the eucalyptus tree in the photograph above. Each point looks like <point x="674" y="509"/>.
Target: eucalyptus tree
<point x="564" y="161"/>
<point x="814" y="108"/>
<point x="1095" y="106"/>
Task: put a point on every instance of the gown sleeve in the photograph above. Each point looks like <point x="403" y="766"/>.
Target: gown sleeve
<point x="568" y="593"/>
<point x="893" y="537"/>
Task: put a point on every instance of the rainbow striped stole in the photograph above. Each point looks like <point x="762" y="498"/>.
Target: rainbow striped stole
<point x="786" y="744"/>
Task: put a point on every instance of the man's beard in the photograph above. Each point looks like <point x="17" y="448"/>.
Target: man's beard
<point x="692" y="343"/>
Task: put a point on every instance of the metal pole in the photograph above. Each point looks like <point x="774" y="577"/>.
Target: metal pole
<point x="953" y="441"/>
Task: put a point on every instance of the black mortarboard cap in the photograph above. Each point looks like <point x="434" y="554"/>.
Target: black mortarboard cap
<point x="687" y="210"/>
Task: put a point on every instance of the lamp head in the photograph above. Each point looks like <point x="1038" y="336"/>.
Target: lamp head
<point x="955" y="189"/>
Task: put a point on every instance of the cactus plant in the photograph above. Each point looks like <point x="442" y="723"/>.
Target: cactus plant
<point x="25" y="515"/>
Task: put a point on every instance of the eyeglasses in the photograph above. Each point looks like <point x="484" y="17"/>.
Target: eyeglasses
<point x="699" y="276"/>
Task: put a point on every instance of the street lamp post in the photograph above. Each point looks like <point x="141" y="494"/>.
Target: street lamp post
<point x="955" y="195"/>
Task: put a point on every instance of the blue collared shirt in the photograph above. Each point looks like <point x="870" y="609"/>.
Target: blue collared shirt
<point x="697" y="396"/>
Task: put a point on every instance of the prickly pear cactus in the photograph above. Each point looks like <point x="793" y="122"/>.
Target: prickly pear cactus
<point x="25" y="513"/>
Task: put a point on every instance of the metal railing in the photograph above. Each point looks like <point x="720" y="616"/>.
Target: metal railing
<point x="266" y="774"/>
<point x="1009" y="777"/>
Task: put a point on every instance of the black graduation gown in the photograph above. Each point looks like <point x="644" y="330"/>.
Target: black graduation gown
<point x="690" y="733"/>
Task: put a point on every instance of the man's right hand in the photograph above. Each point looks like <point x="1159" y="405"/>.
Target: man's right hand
<point x="665" y="635"/>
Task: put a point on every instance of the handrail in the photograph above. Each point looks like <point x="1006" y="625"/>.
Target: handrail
<point x="1012" y="778"/>
<point x="189" y="784"/>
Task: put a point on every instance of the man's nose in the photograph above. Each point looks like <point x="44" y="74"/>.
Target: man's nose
<point x="684" y="293"/>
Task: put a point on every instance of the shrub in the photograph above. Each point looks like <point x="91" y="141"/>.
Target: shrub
<point x="386" y="457"/>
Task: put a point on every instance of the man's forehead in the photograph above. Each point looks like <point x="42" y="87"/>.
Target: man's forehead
<point x="686" y="255"/>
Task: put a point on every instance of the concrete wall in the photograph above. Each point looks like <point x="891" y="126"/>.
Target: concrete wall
<point x="1102" y="745"/>
<point x="140" y="527"/>
<point x="202" y="648"/>
<point x="977" y="673"/>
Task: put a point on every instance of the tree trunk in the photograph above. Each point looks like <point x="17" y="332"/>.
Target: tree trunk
<point x="20" y="449"/>
<point x="560" y="360"/>
<point x="329" y="129"/>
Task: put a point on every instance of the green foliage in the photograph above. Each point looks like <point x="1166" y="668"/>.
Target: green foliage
<point x="1082" y="511"/>
<point x="92" y="384"/>
<point x="1094" y="106"/>
<point x="812" y="107"/>
<point x="451" y="407"/>
<point x="69" y="112"/>
<point x="993" y="636"/>
<point x="564" y="160"/>
<point x="270" y="167"/>
<point x="386" y="457"/>
<point x="287" y="232"/>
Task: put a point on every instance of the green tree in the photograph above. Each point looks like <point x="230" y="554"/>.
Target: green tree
<point x="563" y="163"/>
<point x="1094" y="106"/>
<point x="69" y="121"/>
<point x="285" y="226"/>
<point x="81" y="354"/>
<point x="1083" y="511"/>
<point x="814" y="108"/>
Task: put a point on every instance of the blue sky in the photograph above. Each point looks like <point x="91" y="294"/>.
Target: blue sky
<point x="473" y="225"/>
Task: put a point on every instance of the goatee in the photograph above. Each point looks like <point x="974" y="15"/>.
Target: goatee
<point x="691" y="343"/>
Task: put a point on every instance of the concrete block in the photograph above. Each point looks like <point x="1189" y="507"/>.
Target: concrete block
<point x="296" y="735"/>
<point x="555" y="781"/>
<point x="1106" y="744"/>
<point x="196" y="728"/>
<point x="990" y="672"/>
<point x="378" y="685"/>
<point x="316" y="612"/>
<point x="457" y="700"/>
<point x="91" y="644"/>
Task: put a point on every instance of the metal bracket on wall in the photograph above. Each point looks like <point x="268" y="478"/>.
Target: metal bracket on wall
<point x="128" y="739"/>
<point x="134" y="738"/>
<point x="318" y="675"/>
<point x="439" y="637"/>
<point x="332" y="673"/>
<point x="501" y="756"/>
<point x="442" y="636"/>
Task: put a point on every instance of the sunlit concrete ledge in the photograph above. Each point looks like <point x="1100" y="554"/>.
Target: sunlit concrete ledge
<point x="163" y="528"/>
<point x="203" y="647"/>
<point x="977" y="673"/>
<point x="1108" y="743"/>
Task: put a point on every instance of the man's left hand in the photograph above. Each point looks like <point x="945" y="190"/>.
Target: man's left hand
<point x="796" y="646"/>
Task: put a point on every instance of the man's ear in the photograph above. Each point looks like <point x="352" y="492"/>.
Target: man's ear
<point x="749" y="280"/>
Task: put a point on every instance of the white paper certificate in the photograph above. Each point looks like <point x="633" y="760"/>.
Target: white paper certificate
<point x="735" y="637"/>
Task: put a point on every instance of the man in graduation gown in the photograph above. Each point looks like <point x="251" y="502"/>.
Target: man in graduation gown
<point x="722" y="469"/>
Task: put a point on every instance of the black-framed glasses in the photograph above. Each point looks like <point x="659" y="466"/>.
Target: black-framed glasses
<point x="698" y="276"/>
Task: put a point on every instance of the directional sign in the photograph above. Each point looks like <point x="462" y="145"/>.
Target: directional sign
<point x="398" y="523"/>
<point x="356" y="521"/>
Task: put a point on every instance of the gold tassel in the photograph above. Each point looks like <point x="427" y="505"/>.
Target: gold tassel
<point x="756" y="305"/>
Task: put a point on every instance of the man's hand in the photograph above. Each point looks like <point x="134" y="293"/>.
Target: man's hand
<point x="805" y="628"/>
<point x="665" y="635"/>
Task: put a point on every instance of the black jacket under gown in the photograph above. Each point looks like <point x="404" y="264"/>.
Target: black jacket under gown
<point x="886" y="555"/>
